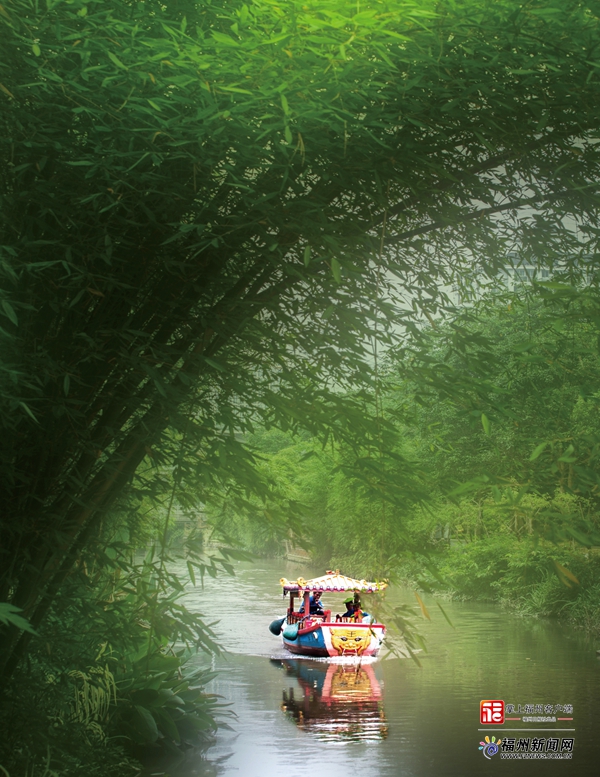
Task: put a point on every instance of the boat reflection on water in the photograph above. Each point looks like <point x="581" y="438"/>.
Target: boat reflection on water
<point x="336" y="701"/>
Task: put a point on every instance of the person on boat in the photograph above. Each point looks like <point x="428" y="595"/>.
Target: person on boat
<point x="359" y="613"/>
<point x="349" y="602"/>
<point x="315" y="604"/>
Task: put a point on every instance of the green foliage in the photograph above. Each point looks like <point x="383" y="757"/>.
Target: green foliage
<point x="525" y="575"/>
<point x="531" y="366"/>
<point x="111" y="670"/>
<point x="492" y="550"/>
<point x="9" y="614"/>
<point x="529" y="363"/>
<point x="346" y="501"/>
<point x="191" y="205"/>
<point x="45" y="734"/>
<point x="517" y="495"/>
<point x="157" y="702"/>
<point x="208" y="212"/>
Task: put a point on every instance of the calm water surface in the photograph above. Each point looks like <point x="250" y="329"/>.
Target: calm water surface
<point x="303" y="717"/>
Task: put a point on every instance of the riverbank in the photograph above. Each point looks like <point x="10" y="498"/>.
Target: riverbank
<point x="529" y="577"/>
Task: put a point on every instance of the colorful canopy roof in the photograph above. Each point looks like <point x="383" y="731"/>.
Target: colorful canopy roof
<point x="332" y="581"/>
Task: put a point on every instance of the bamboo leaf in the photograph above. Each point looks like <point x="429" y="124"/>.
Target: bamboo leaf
<point x="6" y="91"/>
<point x="116" y="61"/>
<point x="215" y="363"/>
<point x="538" y="450"/>
<point x="422" y="606"/>
<point x="336" y="270"/>
<point x="191" y="572"/>
<point x="565" y="573"/>
<point x="10" y="312"/>
<point x="9" y="615"/>
<point x="445" y="615"/>
<point x="28" y="411"/>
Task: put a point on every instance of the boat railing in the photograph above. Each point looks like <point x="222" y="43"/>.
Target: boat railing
<point x="297" y="617"/>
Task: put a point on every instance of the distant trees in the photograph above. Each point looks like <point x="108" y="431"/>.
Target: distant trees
<point x="495" y="476"/>
<point x="507" y="394"/>
<point x="198" y="204"/>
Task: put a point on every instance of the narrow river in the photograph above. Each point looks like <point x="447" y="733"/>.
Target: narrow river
<point x="391" y="718"/>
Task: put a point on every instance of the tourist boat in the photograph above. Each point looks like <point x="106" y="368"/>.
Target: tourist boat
<point x="324" y="635"/>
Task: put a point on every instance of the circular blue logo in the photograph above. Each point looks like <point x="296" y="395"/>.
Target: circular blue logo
<point x="490" y="748"/>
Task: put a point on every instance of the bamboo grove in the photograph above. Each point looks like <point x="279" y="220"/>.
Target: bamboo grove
<point x="209" y="208"/>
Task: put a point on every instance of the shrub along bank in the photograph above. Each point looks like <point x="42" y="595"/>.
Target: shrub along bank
<point x="493" y="551"/>
<point x="108" y="681"/>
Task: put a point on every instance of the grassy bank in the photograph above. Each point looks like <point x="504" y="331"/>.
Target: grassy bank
<point x="530" y="576"/>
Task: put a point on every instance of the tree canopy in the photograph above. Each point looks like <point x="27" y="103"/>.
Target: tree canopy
<point x="209" y="208"/>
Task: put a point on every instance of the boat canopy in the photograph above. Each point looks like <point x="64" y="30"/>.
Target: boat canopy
<point x="332" y="581"/>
